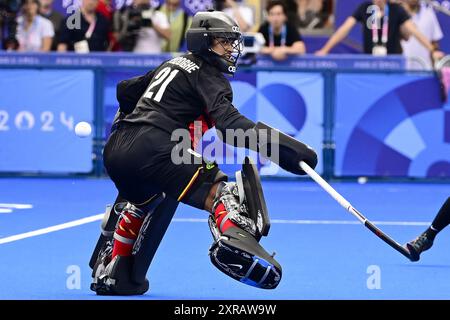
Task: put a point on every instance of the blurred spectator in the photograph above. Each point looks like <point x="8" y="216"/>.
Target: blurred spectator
<point x="282" y="39"/>
<point x="104" y="7"/>
<point x="85" y="30"/>
<point x="309" y="14"/>
<point x="291" y="8"/>
<point x="383" y="26"/>
<point x="426" y="21"/>
<point x="313" y="14"/>
<point x="238" y="11"/>
<point x="179" y="22"/>
<point x="34" y="32"/>
<point x="46" y="10"/>
<point x="8" y="24"/>
<point x="140" y="28"/>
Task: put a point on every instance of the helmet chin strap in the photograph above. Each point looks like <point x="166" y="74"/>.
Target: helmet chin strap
<point x="211" y="49"/>
<point x="223" y="56"/>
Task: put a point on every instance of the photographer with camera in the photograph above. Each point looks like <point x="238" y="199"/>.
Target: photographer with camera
<point x="8" y="24"/>
<point x="140" y="28"/>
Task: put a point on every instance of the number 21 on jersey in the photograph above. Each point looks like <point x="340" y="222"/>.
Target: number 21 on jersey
<point x="160" y="83"/>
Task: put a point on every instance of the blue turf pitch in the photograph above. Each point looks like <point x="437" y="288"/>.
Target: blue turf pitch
<point x="325" y="253"/>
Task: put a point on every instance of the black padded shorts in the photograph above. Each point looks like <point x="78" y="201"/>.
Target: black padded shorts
<point x="138" y="160"/>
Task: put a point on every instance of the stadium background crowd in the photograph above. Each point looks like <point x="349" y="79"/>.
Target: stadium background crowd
<point x="289" y="27"/>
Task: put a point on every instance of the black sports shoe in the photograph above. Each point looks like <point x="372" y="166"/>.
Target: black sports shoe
<point x="418" y="245"/>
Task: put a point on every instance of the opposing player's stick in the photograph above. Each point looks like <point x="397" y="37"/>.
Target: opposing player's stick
<point x="344" y="203"/>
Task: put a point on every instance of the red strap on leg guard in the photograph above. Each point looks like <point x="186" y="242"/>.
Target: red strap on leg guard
<point x="219" y="214"/>
<point x="126" y="234"/>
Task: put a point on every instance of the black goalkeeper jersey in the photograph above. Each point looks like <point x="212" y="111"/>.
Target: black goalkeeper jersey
<point x="177" y="93"/>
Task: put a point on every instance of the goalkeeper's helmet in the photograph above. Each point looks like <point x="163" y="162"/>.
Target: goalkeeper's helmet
<point x="208" y="26"/>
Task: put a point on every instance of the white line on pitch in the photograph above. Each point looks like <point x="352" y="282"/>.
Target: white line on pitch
<point x="51" y="229"/>
<point x="193" y="220"/>
<point x="7" y="207"/>
<point x="16" y="205"/>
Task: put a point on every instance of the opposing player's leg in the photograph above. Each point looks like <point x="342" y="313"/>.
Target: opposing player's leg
<point x="426" y="239"/>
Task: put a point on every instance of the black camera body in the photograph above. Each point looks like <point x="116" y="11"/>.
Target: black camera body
<point x="133" y="18"/>
<point x="139" y="17"/>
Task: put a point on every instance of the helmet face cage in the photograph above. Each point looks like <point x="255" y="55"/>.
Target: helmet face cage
<point x="206" y="27"/>
<point x="235" y="41"/>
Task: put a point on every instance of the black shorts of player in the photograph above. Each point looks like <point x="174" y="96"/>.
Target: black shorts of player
<point x="138" y="159"/>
